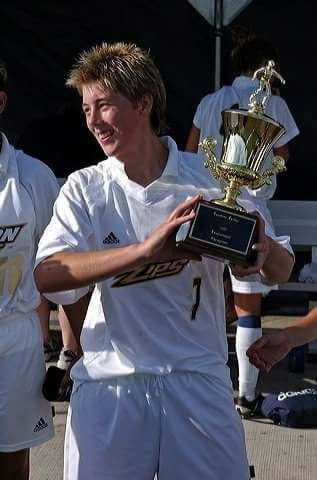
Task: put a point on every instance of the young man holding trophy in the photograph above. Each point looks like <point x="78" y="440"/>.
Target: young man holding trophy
<point x="250" y="56"/>
<point x="152" y="393"/>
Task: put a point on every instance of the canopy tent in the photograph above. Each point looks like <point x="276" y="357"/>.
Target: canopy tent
<point x="219" y="13"/>
<point x="222" y="11"/>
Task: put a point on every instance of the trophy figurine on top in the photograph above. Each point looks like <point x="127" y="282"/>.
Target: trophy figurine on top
<point x="222" y="229"/>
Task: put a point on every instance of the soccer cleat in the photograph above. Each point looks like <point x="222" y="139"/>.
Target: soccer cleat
<point x="66" y="358"/>
<point x="249" y="408"/>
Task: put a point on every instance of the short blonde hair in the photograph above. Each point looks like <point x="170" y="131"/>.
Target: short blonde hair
<point x="123" y="68"/>
<point x="3" y="75"/>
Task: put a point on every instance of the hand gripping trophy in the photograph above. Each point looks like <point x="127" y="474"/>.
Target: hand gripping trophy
<point x="248" y="136"/>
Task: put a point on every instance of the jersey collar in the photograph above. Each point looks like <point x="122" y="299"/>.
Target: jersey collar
<point x="4" y="156"/>
<point x="171" y="167"/>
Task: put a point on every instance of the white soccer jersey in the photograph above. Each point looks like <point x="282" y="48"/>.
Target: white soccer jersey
<point x="208" y="119"/>
<point x="157" y="318"/>
<point x="28" y="189"/>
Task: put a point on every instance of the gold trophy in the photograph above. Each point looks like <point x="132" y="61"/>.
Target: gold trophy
<point x="222" y="228"/>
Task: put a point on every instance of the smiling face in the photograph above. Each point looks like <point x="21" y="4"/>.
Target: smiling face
<point x="115" y="122"/>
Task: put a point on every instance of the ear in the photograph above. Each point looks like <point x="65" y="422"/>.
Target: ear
<point x="3" y="100"/>
<point x="145" y="104"/>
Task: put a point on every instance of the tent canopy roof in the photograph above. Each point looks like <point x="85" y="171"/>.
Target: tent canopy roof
<point x="231" y="9"/>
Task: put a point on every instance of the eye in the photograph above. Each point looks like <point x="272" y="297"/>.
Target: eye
<point x="104" y="105"/>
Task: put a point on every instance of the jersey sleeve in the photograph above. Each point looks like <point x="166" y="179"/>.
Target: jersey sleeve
<point x="70" y="230"/>
<point x="197" y="116"/>
<point x="250" y="205"/>
<point x="42" y="186"/>
<point x="278" y="109"/>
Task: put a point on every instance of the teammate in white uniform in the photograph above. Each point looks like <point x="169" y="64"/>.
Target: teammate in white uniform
<point x="27" y="191"/>
<point x="152" y="392"/>
<point x="249" y="56"/>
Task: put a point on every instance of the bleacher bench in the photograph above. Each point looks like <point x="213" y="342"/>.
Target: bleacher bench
<point x="298" y="219"/>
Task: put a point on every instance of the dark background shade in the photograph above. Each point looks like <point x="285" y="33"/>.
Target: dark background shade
<point x="40" y="41"/>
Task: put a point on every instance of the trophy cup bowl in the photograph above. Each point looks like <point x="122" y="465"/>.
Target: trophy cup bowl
<point x="222" y="229"/>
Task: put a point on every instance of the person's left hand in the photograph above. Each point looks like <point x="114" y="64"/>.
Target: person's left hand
<point x="262" y="247"/>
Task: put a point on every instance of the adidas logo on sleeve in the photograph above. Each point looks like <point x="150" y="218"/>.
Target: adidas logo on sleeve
<point x="111" y="239"/>
<point x="40" y="425"/>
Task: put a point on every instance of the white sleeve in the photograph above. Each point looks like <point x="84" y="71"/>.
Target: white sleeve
<point x="70" y="229"/>
<point x="251" y="205"/>
<point x="277" y="109"/>
<point x="197" y="116"/>
<point x="42" y="186"/>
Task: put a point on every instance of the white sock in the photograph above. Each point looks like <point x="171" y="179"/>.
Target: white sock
<point x="248" y="374"/>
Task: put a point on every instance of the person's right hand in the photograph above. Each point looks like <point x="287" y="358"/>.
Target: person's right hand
<point x="269" y="349"/>
<point x="161" y="244"/>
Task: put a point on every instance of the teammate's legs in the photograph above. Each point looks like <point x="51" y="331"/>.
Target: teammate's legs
<point x="248" y="294"/>
<point x="70" y="347"/>
<point x="248" y="308"/>
<point x="201" y="435"/>
<point x="15" y="465"/>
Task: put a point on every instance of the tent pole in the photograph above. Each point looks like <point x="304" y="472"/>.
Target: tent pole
<point x="218" y="21"/>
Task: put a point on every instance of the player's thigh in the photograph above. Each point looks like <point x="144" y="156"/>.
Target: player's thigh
<point x="15" y="465"/>
<point x="202" y="435"/>
<point x="112" y="431"/>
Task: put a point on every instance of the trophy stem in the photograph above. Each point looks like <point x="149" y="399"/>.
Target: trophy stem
<point x="231" y="193"/>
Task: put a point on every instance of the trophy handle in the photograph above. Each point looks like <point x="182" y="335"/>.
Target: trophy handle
<point x="207" y="146"/>
<point x="278" y="165"/>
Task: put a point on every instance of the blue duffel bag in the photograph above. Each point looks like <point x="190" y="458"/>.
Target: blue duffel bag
<point x="292" y="408"/>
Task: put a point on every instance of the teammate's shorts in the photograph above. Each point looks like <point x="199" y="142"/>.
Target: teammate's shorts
<point x="250" y="285"/>
<point x="183" y="425"/>
<point x="25" y="416"/>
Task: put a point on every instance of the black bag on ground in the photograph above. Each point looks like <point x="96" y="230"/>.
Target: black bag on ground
<point x="292" y="408"/>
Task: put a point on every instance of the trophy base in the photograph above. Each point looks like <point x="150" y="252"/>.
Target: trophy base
<point x="221" y="233"/>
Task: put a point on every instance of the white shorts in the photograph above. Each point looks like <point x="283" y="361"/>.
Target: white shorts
<point x="250" y="285"/>
<point x="183" y="425"/>
<point x="25" y="415"/>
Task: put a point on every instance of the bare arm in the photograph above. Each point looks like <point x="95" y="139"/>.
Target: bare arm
<point x="270" y="349"/>
<point x="76" y="314"/>
<point x="71" y="270"/>
<point x="274" y="262"/>
<point x="193" y="140"/>
<point x="278" y="264"/>
<point x="304" y="330"/>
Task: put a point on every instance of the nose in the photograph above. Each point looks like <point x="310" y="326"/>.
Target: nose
<point x="93" y="119"/>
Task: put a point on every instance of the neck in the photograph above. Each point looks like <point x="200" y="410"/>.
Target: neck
<point x="148" y="161"/>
